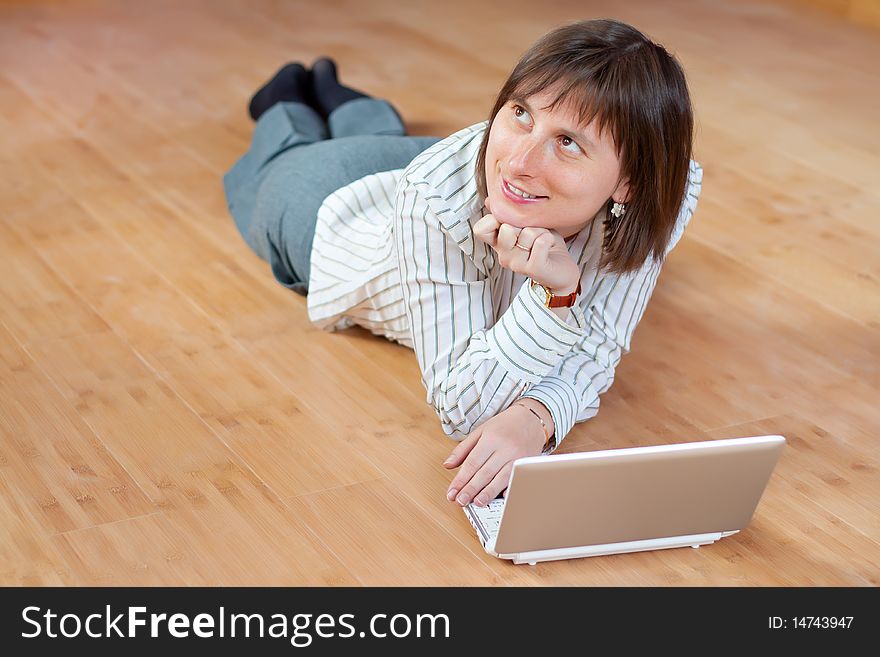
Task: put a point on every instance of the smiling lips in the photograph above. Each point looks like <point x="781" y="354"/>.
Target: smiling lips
<point x="516" y="198"/>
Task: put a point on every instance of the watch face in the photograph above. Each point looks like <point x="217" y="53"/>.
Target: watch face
<point x="542" y="292"/>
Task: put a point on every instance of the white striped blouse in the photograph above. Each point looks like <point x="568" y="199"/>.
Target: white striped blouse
<point x="394" y="252"/>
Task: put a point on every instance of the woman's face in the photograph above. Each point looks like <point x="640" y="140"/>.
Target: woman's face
<point x="572" y="171"/>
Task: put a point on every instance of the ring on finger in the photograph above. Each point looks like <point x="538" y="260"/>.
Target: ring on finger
<point x="520" y="246"/>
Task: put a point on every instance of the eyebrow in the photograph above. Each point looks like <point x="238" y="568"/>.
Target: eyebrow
<point x="579" y="135"/>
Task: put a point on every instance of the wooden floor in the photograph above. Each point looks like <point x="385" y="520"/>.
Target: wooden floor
<point x="169" y="415"/>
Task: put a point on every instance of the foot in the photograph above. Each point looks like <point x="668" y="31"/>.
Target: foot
<point x="292" y="83"/>
<point x="328" y="92"/>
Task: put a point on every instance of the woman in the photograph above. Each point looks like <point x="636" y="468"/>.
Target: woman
<point x="515" y="257"/>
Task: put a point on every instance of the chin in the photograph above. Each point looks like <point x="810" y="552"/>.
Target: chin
<point x="508" y="213"/>
<point x="505" y="218"/>
<point x="499" y="209"/>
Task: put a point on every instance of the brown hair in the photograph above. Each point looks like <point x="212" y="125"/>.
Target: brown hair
<point x="610" y="71"/>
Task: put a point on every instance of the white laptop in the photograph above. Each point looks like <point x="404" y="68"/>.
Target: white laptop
<point x="565" y="506"/>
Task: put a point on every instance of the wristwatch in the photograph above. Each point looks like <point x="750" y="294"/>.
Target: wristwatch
<point x="551" y="300"/>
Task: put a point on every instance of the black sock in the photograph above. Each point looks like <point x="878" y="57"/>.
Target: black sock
<point x="328" y="93"/>
<point x="291" y="83"/>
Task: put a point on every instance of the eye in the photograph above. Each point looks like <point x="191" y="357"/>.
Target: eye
<point x="571" y="141"/>
<point x="519" y="111"/>
<point x="516" y="111"/>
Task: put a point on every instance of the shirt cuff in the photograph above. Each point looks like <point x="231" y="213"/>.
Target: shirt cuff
<point x="561" y="400"/>
<point x="530" y="338"/>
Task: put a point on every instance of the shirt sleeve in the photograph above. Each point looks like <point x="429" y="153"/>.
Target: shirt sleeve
<point x="571" y="390"/>
<point x="472" y="365"/>
<point x="615" y="305"/>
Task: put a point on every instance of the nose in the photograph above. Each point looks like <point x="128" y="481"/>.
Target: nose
<point x="525" y="157"/>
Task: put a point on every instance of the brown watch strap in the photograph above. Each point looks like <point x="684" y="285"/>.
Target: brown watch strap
<point x="566" y="301"/>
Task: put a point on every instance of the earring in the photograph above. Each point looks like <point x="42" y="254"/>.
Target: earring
<point x="618" y="210"/>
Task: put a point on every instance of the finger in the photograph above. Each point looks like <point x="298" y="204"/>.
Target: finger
<point x="507" y="236"/>
<point x="462" y="449"/>
<point x="486" y="229"/>
<point x="481" y="478"/>
<point x="518" y="259"/>
<point x="528" y="235"/>
<point x="474" y="458"/>
<point x="499" y="482"/>
<point x="540" y="250"/>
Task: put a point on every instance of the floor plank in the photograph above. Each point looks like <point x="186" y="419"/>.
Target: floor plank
<point x="168" y="415"/>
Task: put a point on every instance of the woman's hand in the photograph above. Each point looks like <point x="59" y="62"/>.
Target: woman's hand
<point x="486" y="456"/>
<point x="547" y="261"/>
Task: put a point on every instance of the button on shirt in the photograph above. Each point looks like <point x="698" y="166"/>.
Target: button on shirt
<point x="394" y="252"/>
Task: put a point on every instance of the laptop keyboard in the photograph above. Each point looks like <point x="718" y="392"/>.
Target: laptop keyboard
<point x="489" y="516"/>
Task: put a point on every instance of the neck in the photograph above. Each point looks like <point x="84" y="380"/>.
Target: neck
<point x="569" y="238"/>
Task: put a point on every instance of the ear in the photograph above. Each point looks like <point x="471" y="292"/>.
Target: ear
<point x="621" y="192"/>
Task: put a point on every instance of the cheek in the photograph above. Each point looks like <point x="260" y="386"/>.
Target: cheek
<point x="491" y="158"/>
<point x="495" y="148"/>
<point x="576" y="193"/>
<point x="605" y="178"/>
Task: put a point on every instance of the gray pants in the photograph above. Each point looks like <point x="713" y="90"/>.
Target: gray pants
<point x="295" y="161"/>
